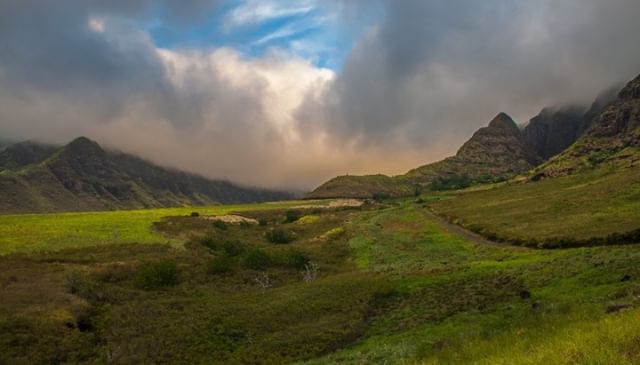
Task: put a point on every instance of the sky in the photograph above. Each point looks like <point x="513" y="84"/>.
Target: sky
<point x="288" y="94"/>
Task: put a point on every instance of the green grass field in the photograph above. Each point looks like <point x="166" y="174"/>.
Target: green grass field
<point x="392" y="286"/>
<point x="589" y="205"/>
<point x="57" y="231"/>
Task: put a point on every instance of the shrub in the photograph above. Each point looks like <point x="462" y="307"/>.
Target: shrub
<point x="155" y="275"/>
<point x="195" y="214"/>
<point x="219" y="225"/>
<point x="292" y="216"/>
<point x="232" y="248"/>
<point x="294" y="259"/>
<point x="279" y="236"/>
<point x="256" y="259"/>
<point x="263" y="221"/>
<point x="229" y="247"/>
<point x="220" y="265"/>
<point x="380" y="196"/>
<point x="210" y="243"/>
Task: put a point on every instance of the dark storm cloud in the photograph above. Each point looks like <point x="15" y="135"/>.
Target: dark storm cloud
<point x="434" y="71"/>
<point x="417" y="83"/>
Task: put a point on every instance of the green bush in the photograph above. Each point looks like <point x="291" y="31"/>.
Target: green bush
<point x="155" y="275"/>
<point x="263" y="221"/>
<point x="195" y="214"/>
<point x="210" y="243"/>
<point x="219" y="225"/>
<point x="380" y="196"/>
<point x="256" y="259"/>
<point x="230" y="247"/>
<point x="291" y="216"/>
<point x="280" y="236"/>
<point x="291" y="258"/>
<point x="220" y="265"/>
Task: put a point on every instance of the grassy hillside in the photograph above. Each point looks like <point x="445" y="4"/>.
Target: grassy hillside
<point x="362" y="187"/>
<point x="573" y="209"/>
<point x="389" y="286"/>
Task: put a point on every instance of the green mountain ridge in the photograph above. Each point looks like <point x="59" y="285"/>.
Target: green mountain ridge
<point x="614" y="138"/>
<point x="502" y="151"/>
<point x="495" y="152"/>
<point x="83" y="176"/>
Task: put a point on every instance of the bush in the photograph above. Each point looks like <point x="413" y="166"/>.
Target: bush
<point x="229" y="247"/>
<point x="220" y="265"/>
<point x="210" y="243"/>
<point x="280" y="236"/>
<point x="263" y="221"/>
<point x="380" y="196"/>
<point x="232" y="248"/>
<point x="219" y="225"/>
<point x="155" y="275"/>
<point x="195" y="214"/>
<point x="291" y="258"/>
<point x="256" y="260"/>
<point x="291" y="216"/>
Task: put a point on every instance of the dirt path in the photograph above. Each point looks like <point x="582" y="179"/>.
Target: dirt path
<point x="462" y="232"/>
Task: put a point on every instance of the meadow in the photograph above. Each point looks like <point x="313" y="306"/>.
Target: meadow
<point x="380" y="283"/>
<point x="581" y="209"/>
<point x="57" y="231"/>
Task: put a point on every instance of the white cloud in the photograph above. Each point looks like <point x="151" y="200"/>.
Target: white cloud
<point x="253" y="12"/>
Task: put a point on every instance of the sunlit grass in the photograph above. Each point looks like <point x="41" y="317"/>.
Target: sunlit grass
<point x="56" y="231"/>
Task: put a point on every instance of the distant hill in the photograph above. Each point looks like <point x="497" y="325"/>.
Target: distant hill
<point x="495" y="152"/>
<point x="21" y="154"/>
<point x="83" y="176"/>
<point x="613" y="138"/>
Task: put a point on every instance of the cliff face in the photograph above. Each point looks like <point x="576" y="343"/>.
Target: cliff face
<point x="613" y="137"/>
<point x="553" y="130"/>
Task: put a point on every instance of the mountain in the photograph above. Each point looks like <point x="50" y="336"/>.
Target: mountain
<point x="555" y="129"/>
<point x="612" y="138"/>
<point x="495" y="152"/>
<point x="26" y="153"/>
<point x="83" y="176"/>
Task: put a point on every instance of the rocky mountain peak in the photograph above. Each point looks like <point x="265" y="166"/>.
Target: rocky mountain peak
<point x="631" y="91"/>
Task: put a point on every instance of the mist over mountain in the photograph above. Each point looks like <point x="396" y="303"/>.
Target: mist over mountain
<point x="83" y="176"/>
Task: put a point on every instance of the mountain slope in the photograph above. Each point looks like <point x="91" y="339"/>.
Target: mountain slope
<point x="497" y="151"/>
<point x="21" y="154"/>
<point x="554" y="129"/>
<point x="613" y="138"/>
<point x="83" y="176"/>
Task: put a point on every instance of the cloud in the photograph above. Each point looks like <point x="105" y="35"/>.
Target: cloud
<point x="432" y="72"/>
<point x="416" y="84"/>
<point x="252" y="12"/>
